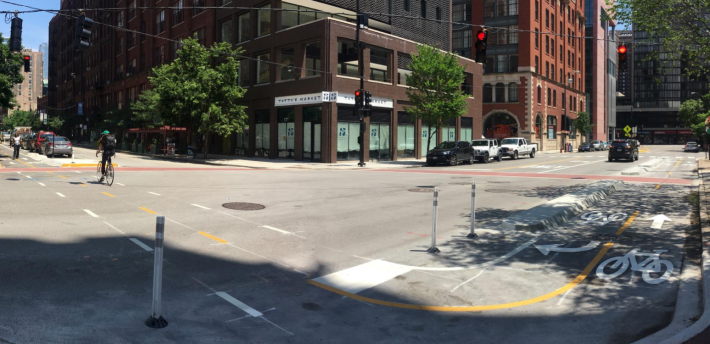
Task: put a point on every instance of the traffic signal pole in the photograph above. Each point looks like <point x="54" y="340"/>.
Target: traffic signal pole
<point x="361" y="71"/>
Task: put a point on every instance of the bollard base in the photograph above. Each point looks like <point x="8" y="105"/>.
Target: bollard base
<point x="433" y="250"/>
<point x="156" y="323"/>
<point x="472" y="235"/>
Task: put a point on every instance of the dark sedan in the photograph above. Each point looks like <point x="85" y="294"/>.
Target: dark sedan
<point x="624" y="149"/>
<point x="56" y="145"/>
<point x="25" y="141"/>
<point x="450" y="152"/>
<point x="585" y="147"/>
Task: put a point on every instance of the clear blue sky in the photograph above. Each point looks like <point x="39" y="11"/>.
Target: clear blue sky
<point x="35" y="26"/>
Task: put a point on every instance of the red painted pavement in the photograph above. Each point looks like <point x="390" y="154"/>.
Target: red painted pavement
<point x="548" y="175"/>
<point x="125" y="169"/>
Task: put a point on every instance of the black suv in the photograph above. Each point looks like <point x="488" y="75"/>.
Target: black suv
<point x="450" y="152"/>
<point x="624" y="149"/>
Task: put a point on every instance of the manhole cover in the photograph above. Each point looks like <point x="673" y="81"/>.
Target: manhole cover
<point x="422" y="190"/>
<point x="243" y="206"/>
<point x="497" y="182"/>
<point x="500" y="190"/>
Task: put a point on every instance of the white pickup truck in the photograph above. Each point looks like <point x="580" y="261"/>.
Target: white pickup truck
<point x="485" y="149"/>
<point x="515" y="147"/>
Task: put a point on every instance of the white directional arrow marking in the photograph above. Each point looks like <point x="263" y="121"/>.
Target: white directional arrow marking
<point x="658" y="221"/>
<point x="546" y="249"/>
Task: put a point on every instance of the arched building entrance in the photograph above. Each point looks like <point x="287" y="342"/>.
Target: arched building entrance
<point x="499" y="125"/>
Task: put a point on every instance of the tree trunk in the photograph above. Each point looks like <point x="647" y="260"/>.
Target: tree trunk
<point x="205" y="146"/>
<point x="428" y="141"/>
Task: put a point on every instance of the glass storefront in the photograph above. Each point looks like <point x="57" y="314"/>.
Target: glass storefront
<point x="405" y="135"/>
<point x="448" y="134"/>
<point x="286" y="131"/>
<point x="425" y="139"/>
<point x="312" y="133"/>
<point x="262" y="132"/>
<point x="380" y="135"/>
<point x="466" y="129"/>
<point x="348" y="132"/>
<point x="242" y="142"/>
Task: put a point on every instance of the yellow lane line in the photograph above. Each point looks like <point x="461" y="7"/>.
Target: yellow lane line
<point x="214" y="238"/>
<point x="541" y="163"/>
<point x="82" y="184"/>
<point x="148" y="210"/>
<point x="676" y="165"/>
<point x="579" y="279"/>
<point x="24" y="163"/>
<point x="63" y="177"/>
<point x="657" y="186"/>
<point x="108" y="194"/>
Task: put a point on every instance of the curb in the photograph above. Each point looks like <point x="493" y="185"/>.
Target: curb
<point x="559" y="210"/>
<point x="699" y="332"/>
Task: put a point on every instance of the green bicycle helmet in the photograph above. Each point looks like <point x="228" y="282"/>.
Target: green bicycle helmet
<point x="105" y="132"/>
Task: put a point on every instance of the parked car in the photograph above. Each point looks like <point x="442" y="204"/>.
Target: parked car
<point x="41" y="136"/>
<point x="485" y="149"/>
<point x="585" y="147"/>
<point x="56" y="145"/>
<point x="624" y="149"/>
<point x="598" y="145"/>
<point x="25" y="141"/>
<point x="605" y="145"/>
<point x="450" y="152"/>
<point x="5" y="136"/>
<point x="691" y="146"/>
<point x="515" y="147"/>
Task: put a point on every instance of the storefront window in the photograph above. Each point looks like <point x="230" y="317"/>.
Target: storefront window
<point x="348" y="132"/>
<point x="312" y="133"/>
<point x="405" y="135"/>
<point x="551" y="127"/>
<point x="466" y="129"/>
<point x="242" y="142"/>
<point x="448" y="133"/>
<point x="425" y="138"/>
<point x="286" y="131"/>
<point x="262" y="132"/>
<point x="347" y="59"/>
<point x="380" y="135"/>
<point x="313" y="59"/>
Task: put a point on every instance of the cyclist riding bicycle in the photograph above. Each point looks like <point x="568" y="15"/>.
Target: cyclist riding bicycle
<point x="107" y="143"/>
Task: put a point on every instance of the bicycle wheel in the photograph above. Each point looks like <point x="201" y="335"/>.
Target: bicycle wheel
<point x="109" y="174"/>
<point x="617" y="261"/>
<point x="669" y="270"/>
<point x="98" y="172"/>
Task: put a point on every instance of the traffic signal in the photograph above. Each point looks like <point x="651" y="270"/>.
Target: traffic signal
<point x="359" y="99"/>
<point x="368" y="100"/>
<point x="16" y="35"/>
<point x="481" y="44"/>
<point x="622" y="57"/>
<point x="27" y="63"/>
<point x="83" y="33"/>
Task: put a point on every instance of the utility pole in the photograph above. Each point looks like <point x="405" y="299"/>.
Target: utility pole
<point x="361" y="71"/>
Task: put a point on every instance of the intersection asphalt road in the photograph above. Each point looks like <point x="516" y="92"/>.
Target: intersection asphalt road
<point x="338" y="256"/>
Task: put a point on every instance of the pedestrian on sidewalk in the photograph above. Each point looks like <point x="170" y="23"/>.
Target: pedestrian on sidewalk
<point x="16" y="145"/>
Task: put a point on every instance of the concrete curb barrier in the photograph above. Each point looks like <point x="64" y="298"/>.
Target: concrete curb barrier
<point x="699" y="332"/>
<point x="561" y="209"/>
<point x="642" y="168"/>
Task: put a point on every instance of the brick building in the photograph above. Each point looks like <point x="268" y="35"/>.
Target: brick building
<point x="289" y="115"/>
<point x="30" y="89"/>
<point x="534" y="71"/>
<point x="114" y="70"/>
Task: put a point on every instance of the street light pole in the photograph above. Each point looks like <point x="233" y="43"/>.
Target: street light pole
<point x="361" y="70"/>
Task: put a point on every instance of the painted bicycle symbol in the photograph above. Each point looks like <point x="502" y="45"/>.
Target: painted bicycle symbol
<point x="596" y="217"/>
<point x="652" y="264"/>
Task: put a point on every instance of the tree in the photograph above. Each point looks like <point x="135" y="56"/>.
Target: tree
<point x="679" y="27"/>
<point x="10" y="65"/>
<point x="21" y="118"/>
<point x="693" y="113"/>
<point x="583" y="124"/>
<point x="192" y="92"/>
<point x="435" y="88"/>
<point x="55" y="123"/>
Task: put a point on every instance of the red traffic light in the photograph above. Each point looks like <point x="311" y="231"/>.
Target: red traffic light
<point x="27" y="57"/>
<point x="481" y="35"/>
<point x="357" y="93"/>
<point x="622" y="49"/>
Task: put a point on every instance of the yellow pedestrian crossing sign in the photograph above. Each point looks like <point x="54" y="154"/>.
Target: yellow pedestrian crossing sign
<point x="627" y="129"/>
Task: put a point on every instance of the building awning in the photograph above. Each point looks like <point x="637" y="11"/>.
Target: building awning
<point x="160" y="130"/>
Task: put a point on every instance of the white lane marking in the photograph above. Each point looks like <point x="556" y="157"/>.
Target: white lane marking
<point x="142" y="245"/>
<point x="276" y="229"/>
<point x="60" y="195"/>
<point x="12" y="163"/>
<point x="77" y="172"/>
<point x="241" y="305"/>
<point x="90" y="213"/>
<point x="199" y="206"/>
<point x="364" y="276"/>
<point x="564" y="296"/>
<point x="502" y="258"/>
<point x="116" y="229"/>
<point x="41" y="184"/>
<point x="24" y="158"/>
<point x="120" y="184"/>
<point x="566" y="167"/>
<point x="153" y="193"/>
<point x="268" y="310"/>
<point x="28" y="177"/>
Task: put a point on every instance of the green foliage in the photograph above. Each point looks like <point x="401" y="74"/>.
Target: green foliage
<point x="583" y="123"/>
<point x="55" y="123"/>
<point x="679" y="26"/>
<point x="10" y="66"/>
<point x="193" y="92"/>
<point x="693" y="113"/>
<point x="435" y="88"/>
<point x="21" y="119"/>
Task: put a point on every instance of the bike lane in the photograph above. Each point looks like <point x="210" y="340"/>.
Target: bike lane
<point x="559" y="274"/>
